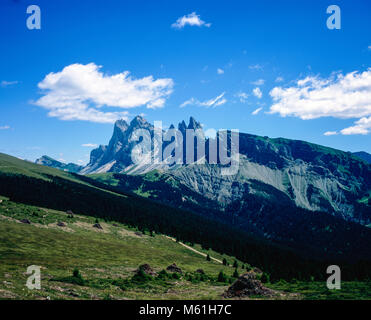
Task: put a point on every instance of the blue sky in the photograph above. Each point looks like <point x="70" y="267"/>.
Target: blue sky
<point x="271" y="68"/>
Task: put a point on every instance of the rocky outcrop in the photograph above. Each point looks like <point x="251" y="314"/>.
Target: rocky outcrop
<point x="248" y="285"/>
<point x="146" y="268"/>
<point x="174" y="268"/>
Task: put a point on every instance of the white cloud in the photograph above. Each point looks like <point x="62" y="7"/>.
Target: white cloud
<point x="369" y="48"/>
<point x="8" y="83"/>
<point x="242" y="96"/>
<point x="362" y="126"/>
<point x="210" y="133"/>
<point x="191" y="19"/>
<point x="258" y="82"/>
<point x="256" y="67"/>
<point x="257" y="93"/>
<point x="330" y="133"/>
<point x="279" y="79"/>
<point x="89" y="145"/>
<point x="79" y="92"/>
<point x="218" y="101"/>
<point x="4" y="127"/>
<point x="340" y="96"/>
<point x="256" y="111"/>
<point x="220" y="71"/>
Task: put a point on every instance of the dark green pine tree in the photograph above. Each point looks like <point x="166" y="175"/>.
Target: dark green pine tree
<point x="235" y="273"/>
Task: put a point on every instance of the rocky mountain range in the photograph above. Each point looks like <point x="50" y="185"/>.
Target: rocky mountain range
<point x="50" y="162"/>
<point x="271" y="171"/>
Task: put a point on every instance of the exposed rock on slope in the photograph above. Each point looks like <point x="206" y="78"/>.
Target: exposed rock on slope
<point x="247" y="285"/>
<point x="49" y="162"/>
<point x="273" y="171"/>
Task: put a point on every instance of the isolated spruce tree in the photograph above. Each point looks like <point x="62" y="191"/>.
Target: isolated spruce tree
<point x="235" y="273"/>
<point x="225" y="262"/>
<point x="222" y="277"/>
<point x="208" y="258"/>
<point x="235" y="264"/>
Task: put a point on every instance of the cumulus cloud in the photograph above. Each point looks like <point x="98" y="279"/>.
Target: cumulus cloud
<point x="257" y="93"/>
<point x="191" y="19"/>
<point x="362" y="126"/>
<point x="4" y="127"/>
<point x="340" y="96"/>
<point x="89" y="145"/>
<point x="220" y="71"/>
<point x="256" y="111"/>
<point x="258" y="82"/>
<point x="279" y="79"/>
<point x="369" y="48"/>
<point x="212" y="103"/>
<point x="80" y="92"/>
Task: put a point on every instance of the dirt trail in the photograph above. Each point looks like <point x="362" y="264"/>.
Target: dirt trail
<point x="194" y="250"/>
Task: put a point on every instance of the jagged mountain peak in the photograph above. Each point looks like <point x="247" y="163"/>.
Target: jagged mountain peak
<point x="121" y="124"/>
<point x="193" y="124"/>
<point x="138" y="122"/>
<point x="182" y="126"/>
<point x="311" y="176"/>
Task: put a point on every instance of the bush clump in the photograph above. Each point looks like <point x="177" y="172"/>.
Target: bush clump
<point x="222" y="277"/>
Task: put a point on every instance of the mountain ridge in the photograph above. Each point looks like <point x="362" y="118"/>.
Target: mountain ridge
<point x="50" y="162"/>
<point x="363" y="155"/>
<point x="311" y="176"/>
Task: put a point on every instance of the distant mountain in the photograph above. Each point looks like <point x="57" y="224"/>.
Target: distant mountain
<point x="50" y="162"/>
<point x="279" y="179"/>
<point x="364" y="156"/>
<point x="271" y="172"/>
<point x="116" y="157"/>
<point x="287" y="241"/>
<point x="27" y="183"/>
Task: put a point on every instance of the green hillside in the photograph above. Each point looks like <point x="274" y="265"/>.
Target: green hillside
<point x="106" y="261"/>
<point x="102" y="256"/>
<point x="27" y="184"/>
